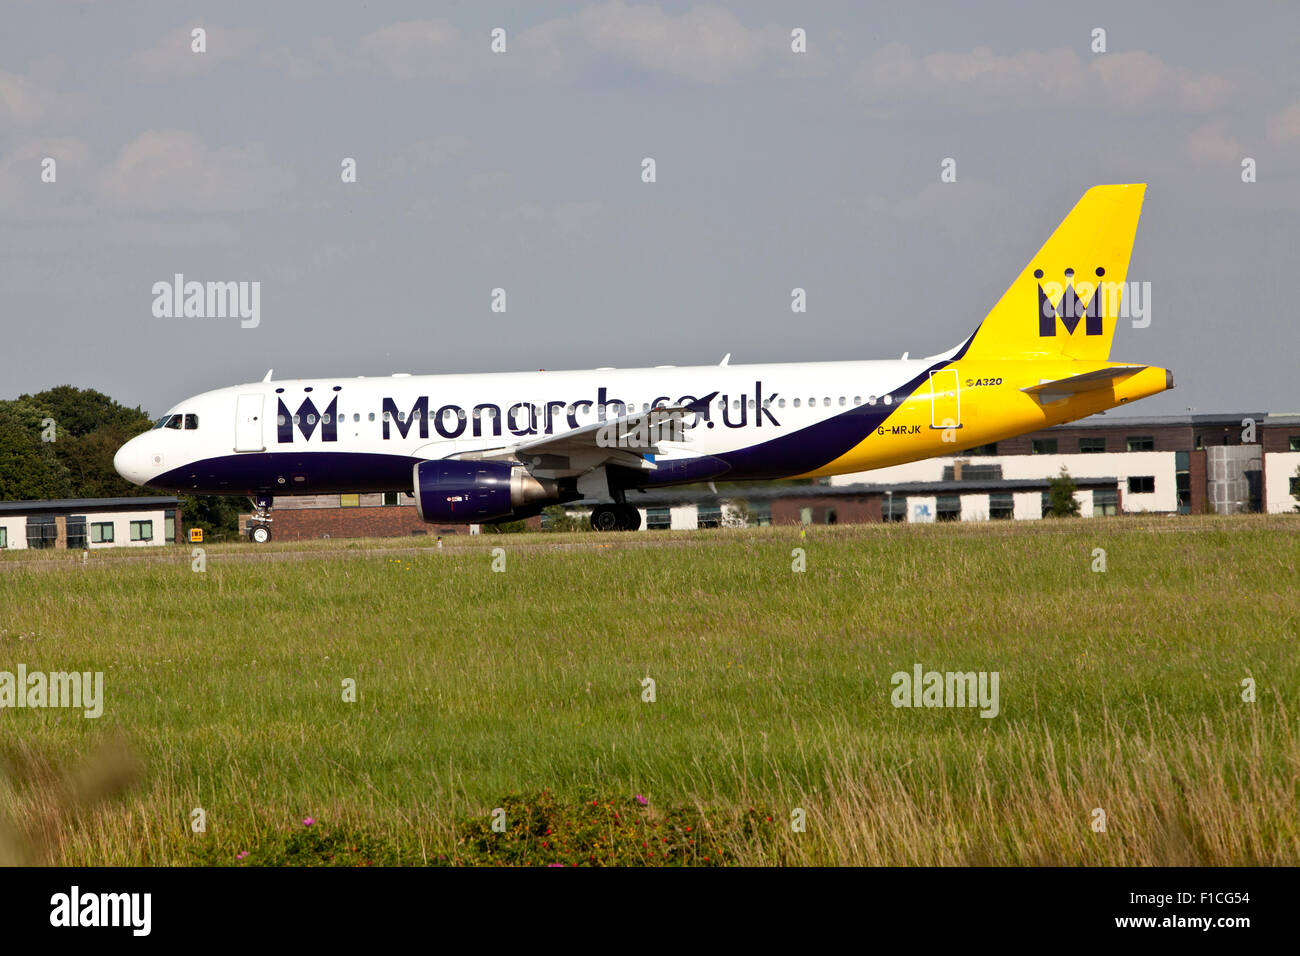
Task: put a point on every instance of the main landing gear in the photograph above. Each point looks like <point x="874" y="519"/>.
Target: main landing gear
<point x="259" y="526"/>
<point x="615" y="517"/>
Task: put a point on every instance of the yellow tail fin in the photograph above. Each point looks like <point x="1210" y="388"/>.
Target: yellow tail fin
<point x="1064" y="303"/>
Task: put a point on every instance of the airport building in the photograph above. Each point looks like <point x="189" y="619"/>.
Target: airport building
<point x="1178" y="464"/>
<point x="89" y="523"/>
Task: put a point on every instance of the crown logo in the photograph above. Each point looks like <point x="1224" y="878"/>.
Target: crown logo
<point x="306" y="420"/>
<point x="1071" y="309"/>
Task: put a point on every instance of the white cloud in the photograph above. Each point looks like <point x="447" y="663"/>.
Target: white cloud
<point x="495" y="181"/>
<point x="982" y="81"/>
<point x="706" y="44"/>
<point x="423" y="155"/>
<point x="1284" y="126"/>
<point x="579" y="224"/>
<point x="421" y="50"/>
<point x="1210" y="144"/>
<point x="172" y="57"/>
<point x="25" y="104"/>
<point x="174" y="171"/>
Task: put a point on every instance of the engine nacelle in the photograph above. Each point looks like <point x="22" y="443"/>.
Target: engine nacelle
<point x="459" y="491"/>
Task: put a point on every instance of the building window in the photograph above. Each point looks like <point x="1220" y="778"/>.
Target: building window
<point x="349" y="501"/>
<point x="894" y="508"/>
<point x="760" y="514"/>
<point x="990" y="449"/>
<point x="101" y="532"/>
<point x="141" y="530"/>
<point x="1141" y="484"/>
<point x="1105" y="502"/>
<point x="1044" y="446"/>
<point x="658" y="519"/>
<point x="392" y="497"/>
<point x="805" y="516"/>
<point x="1294" y="486"/>
<point x="1002" y="506"/>
<point x="948" y="508"/>
<point x="831" y="517"/>
<point x="42" y="532"/>
<point x="1183" y="481"/>
<point x="76" y="532"/>
<point x="1293" y="442"/>
<point x="4" y="537"/>
<point x="709" y="516"/>
<point x="1092" y="445"/>
<point x="1141" y="443"/>
<point x="169" y="526"/>
<point x="1200" y="443"/>
<point x="973" y="473"/>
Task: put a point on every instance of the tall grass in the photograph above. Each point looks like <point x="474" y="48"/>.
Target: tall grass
<point x="1120" y="691"/>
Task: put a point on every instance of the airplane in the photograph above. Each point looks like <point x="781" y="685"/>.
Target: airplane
<point x="480" y="448"/>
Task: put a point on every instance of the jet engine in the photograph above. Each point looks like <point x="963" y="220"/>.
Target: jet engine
<point x="459" y="491"/>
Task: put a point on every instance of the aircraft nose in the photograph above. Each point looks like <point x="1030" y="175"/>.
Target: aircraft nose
<point x="132" y="461"/>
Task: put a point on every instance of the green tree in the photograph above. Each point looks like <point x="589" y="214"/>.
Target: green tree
<point x="80" y="411"/>
<point x="1061" y="500"/>
<point x="505" y="527"/>
<point x="29" y="466"/>
<point x="557" y="518"/>
<point x="89" y="428"/>
<point x="217" y="515"/>
<point x="736" y="514"/>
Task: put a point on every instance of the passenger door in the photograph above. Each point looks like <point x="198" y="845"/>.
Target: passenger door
<point x="248" y="423"/>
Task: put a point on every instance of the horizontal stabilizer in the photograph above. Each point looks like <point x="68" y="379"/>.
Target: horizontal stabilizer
<point x="1087" y="382"/>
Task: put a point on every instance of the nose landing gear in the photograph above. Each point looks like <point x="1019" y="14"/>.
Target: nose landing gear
<point x="259" y="526"/>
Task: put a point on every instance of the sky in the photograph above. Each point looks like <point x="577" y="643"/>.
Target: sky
<point x="522" y="171"/>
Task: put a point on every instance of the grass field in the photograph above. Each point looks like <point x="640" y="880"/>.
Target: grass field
<point x="1120" y="691"/>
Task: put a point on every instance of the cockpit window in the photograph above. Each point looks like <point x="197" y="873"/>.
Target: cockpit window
<point x="161" y="422"/>
<point x="191" y="421"/>
<point x="173" y="422"/>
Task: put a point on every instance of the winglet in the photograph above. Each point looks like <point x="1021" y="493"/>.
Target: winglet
<point x="268" y="374"/>
<point x="725" y="359"/>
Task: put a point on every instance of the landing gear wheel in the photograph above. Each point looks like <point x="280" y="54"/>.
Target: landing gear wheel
<point x="631" y="518"/>
<point x="606" y="518"/>
<point x="259" y="534"/>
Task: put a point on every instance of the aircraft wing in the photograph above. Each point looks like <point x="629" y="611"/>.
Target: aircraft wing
<point x="625" y="440"/>
<point x="1087" y="382"/>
